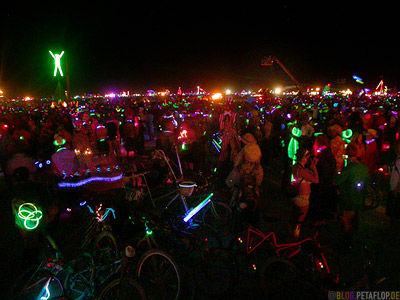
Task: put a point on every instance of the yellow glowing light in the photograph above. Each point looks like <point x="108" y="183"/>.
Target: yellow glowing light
<point x="278" y="91"/>
<point x="228" y="92"/>
<point x="216" y="96"/>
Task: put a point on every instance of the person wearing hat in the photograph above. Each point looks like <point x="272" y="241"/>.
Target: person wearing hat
<point x="371" y="154"/>
<point x="247" y="169"/>
<point x="247" y="176"/>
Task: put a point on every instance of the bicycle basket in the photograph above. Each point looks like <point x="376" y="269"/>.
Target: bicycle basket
<point x="187" y="187"/>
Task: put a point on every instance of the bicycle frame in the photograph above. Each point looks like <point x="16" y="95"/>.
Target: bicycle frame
<point x="280" y="247"/>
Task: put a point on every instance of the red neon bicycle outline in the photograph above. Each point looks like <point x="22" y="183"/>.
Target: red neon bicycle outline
<point x="276" y="247"/>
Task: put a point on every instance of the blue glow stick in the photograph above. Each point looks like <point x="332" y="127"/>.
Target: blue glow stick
<point x="199" y="207"/>
<point x="88" y="180"/>
<point x="46" y="287"/>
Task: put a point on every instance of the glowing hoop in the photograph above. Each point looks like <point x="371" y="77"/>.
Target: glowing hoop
<point x="30" y="214"/>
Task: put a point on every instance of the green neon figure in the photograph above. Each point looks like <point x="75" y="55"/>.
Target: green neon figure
<point x="57" y="63"/>
<point x="293" y="146"/>
<point x="346" y="136"/>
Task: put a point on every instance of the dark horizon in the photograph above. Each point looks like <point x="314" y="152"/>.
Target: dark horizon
<point x="113" y="49"/>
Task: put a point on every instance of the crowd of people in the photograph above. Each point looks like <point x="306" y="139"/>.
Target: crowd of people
<point x="338" y="143"/>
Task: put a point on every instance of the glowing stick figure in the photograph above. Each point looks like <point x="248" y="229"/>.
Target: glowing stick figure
<point x="57" y="63"/>
<point x="294" y="146"/>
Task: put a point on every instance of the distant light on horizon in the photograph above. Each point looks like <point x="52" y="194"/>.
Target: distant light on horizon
<point x="110" y="95"/>
<point x="216" y="96"/>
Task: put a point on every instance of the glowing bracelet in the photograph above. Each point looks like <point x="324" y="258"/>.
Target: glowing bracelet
<point x="30" y="214"/>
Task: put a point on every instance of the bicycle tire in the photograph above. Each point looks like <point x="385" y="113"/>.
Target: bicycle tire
<point x="218" y="215"/>
<point x="79" y="282"/>
<point x="105" y="248"/>
<point x="281" y="279"/>
<point x="373" y="198"/>
<point x="135" y="291"/>
<point x="215" y="272"/>
<point x="154" y="278"/>
<point x="278" y="276"/>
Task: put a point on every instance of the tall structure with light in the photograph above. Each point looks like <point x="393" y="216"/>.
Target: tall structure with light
<point x="59" y="92"/>
<point x="57" y="63"/>
<point x="269" y="61"/>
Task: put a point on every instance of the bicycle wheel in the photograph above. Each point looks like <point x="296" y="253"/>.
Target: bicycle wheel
<point x="215" y="272"/>
<point x="218" y="215"/>
<point x="120" y="289"/>
<point x="281" y="279"/>
<point x="40" y="286"/>
<point x="159" y="275"/>
<point x="105" y="248"/>
<point x="79" y="282"/>
<point x="373" y="197"/>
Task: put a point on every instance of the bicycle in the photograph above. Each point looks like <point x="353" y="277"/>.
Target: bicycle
<point x="375" y="190"/>
<point x="307" y="255"/>
<point x="155" y="265"/>
<point x="68" y="273"/>
<point x="56" y="277"/>
<point x="207" y="267"/>
<point x="215" y="213"/>
<point x="97" y="235"/>
<point x="124" y="287"/>
<point x="243" y="204"/>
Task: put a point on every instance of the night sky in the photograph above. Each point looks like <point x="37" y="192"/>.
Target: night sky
<point x="136" y="46"/>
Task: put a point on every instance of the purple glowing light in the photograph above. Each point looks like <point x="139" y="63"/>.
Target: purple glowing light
<point x="88" y="180"/>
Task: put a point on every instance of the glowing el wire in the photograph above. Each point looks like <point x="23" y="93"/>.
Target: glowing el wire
<point x="293" y="146"/>
<point x="57" y="63"/>
<point x="199" y="207"/>
<point x="88" y="180"/>
<point x="30" y="214"/>
<point x="47" y="295"/>
<point x="347" y="134"/>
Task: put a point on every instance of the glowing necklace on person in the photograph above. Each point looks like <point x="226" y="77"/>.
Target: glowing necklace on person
<point x="369" y="141"/>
